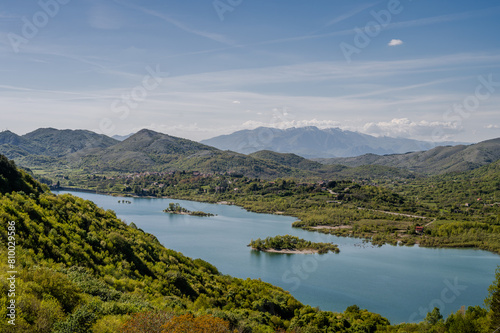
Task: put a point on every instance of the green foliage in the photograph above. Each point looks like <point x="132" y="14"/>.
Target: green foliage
<point x="175" y="208"/>
<point x="81" y="269"/>
<point x="86" y="265"/>
<point x="433" y="317"/>
<point x="493" y="301"/>
<point x="146" y="322"/>
<point x="292" y="243"/>
<point x="81" y="320"/>
<point x="12" y="179"/>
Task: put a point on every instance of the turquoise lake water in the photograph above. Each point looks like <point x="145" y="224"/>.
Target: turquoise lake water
<point x="400" y="283"/>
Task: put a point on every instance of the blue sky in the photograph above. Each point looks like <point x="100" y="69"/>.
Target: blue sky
<point x="419" y="69"/>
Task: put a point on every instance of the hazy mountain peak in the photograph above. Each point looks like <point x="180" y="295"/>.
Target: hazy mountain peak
<point x="312" y="142"/>
<point x="8" y="137"/>
<point x="52" y="142"/>
<point x="122" y="137"/>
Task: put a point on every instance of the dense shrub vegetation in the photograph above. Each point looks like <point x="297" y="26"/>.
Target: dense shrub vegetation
<point x="81" y="269"/>
<point x="293" y="243"/>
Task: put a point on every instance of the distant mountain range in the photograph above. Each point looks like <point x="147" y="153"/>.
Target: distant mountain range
<point x="312" y="142"/>
<point x="122" y="137"/>
<point x="51" y="149"/>
<point x="435" y="161"/>
<point x="145" y="150"/>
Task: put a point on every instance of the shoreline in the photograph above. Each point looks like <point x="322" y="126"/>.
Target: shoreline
<point x="287" y="251"/>
<point x="178" y="213"/>
<point x="319" y="227"/>
<point x="314" y="229"/>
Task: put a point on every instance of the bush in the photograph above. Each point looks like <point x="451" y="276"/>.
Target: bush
<point x="146" y="322"/>
<point x="201" y="324"/>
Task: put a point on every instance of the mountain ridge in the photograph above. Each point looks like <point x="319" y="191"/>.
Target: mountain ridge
<point x="52" y="142"/>
<point x="147" y="150"/>
<point x="438" y="160"/>
<point x="312" y="142"/>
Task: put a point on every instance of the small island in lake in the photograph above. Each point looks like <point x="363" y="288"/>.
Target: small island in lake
<point x="291" y="244"/>
<point x="175" y="208"/>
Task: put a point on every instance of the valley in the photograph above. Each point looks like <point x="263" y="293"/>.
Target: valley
<point x="380" y="205"/>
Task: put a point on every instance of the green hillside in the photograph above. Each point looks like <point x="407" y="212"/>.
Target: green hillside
<point x="151" y="151"/>
<point x="52" y="142"/>
<point x="439" y="160"/>
<point x="51" y="152"/>
<point x="287" y="159"/>
<point x="80" y="269"/>
<point x="15" y="146"/>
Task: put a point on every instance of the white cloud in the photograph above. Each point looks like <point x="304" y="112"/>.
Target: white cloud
<point x="236" y="102"/>
<point x="492" y="126"/>
<point x="406" y="128"/>
<point x="395" y="42"/>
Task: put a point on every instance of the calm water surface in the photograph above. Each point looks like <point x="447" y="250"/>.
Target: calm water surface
<point x="400" y="283"/>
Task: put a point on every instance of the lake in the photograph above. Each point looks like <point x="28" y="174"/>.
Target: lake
<point x="400" y="283"/>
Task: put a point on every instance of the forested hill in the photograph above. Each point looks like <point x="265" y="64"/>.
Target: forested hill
<point x="51" y="142"/>
<point x="62" y="151"/>
<point x="146" y="150"/>
<point x="438" y="160"/>
<point x="287" y="159"/>
<point x="81" y="269"/>
<point x="149" y="151"/>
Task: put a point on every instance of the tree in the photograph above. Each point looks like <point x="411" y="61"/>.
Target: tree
<point x="434" y="317"/>
<point x="493" y="302"/>
<point x="146" y="322"/>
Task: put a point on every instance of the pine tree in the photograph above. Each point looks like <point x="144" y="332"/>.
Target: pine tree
<point x="493" y="302"/>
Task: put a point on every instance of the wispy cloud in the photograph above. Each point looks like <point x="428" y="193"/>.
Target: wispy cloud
<point x="395" y="25"/>
<point x="444" y="18"/>
<point x="7" y="16"/>
<point x="181" y="25"/>
<point x="336" y="71"/>
<point x="103" y="17"/>
<point x="350" y="14"/>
